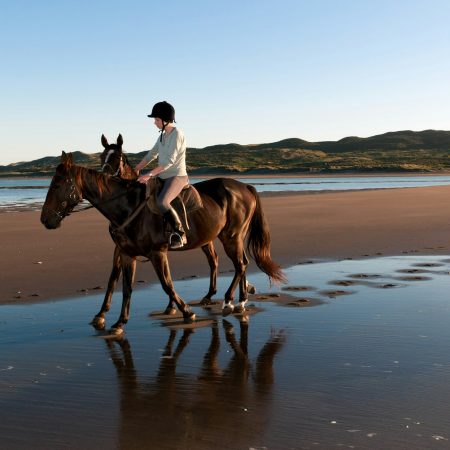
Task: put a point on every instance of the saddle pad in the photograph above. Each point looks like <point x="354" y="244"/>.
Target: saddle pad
<point x="189" y="196"/>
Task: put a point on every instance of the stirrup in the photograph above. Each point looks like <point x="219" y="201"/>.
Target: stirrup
<point x="177" y="240"/>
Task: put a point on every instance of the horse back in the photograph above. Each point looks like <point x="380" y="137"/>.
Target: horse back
<point x="223" y="190"/>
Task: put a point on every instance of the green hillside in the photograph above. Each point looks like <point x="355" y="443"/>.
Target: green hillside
<point x="401" y="151"/>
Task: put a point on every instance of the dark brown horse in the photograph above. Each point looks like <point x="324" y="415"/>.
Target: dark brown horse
<point x="231" y="211"/>
<point x="115" y="162"/>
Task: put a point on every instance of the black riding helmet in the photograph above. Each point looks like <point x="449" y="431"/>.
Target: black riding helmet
<point x="164" y="111"/>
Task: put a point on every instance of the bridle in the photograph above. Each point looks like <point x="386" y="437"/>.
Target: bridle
<point x="74" y="197"/>
<point x="122" y="168"/>
<point x="119" y="169"/>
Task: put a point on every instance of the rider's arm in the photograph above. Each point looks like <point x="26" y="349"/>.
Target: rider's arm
<point x="148" y="158"/>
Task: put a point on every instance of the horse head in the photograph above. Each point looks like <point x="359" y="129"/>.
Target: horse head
<point x="63" y="194"/>
<point x="114" y="161"/>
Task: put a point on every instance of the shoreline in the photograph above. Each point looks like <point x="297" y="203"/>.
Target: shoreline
<point x="275" y="175"/>
<point x="75" y="260"/>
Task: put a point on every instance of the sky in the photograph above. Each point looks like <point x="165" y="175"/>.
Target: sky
<point x="241" y="71"/>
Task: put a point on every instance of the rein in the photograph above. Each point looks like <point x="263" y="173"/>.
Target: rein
<point x="100" y="203"/>
<point x="124" y="163"/>
<point x="134" y="214"/>
<point x="76" y="197"/>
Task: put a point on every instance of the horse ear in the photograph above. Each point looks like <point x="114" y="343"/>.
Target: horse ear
<point x="66" y="158"/>
<point x="104" y="141"/>
<point x="120" y="140"/>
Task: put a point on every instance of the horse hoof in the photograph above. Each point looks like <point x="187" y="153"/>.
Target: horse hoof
<point x="205" y="301"/>
<point x="251" y="289"/>
<point x="170" y="311"/>
<point x="116" y="331"/>
<point x="98" y="323"/>
<point x="240" y="308"/>
<point x="189" y="318"/>
<point x="227" y="309"/>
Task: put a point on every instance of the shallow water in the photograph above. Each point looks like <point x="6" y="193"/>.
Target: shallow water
<point x="17" y="194"/>
<point x="366" y="368"/>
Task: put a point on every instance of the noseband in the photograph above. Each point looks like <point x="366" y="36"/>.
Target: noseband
<point x="107" y="164"/>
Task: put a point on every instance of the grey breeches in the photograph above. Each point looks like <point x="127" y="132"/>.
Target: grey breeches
<point x="172" y="187"/>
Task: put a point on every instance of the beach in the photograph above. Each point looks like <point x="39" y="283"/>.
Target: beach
<point x="39" y="264"/>
<point x="351" y="352"/>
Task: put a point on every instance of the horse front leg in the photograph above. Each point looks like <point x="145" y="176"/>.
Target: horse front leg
<point x="128" y="270"/>
<point x="213" y="261"/>
<point x="99" y="320"/>
<point x="161" y="265"/>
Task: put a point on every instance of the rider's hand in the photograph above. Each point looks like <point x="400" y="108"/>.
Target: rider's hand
<point x="144" y="178"/>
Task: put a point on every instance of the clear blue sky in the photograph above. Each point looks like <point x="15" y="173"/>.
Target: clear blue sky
<point x="236" y="70"/>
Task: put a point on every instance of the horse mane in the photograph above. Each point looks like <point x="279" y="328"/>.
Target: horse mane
<point x="129" y="172"/>
<point x="101" y="180"/>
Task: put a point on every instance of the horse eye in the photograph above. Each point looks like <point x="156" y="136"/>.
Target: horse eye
<point x="64" y="204"/>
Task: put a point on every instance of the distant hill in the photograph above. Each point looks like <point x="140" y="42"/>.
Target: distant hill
<point x="400" y="151"/>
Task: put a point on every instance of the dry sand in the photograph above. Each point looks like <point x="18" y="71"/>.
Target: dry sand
<point x="38" y="264"/>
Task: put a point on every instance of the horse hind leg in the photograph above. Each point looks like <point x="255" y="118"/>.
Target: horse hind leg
<point x="235" y="250"/>
<point x="244" y="289"/>
<point x="213" y="259"/>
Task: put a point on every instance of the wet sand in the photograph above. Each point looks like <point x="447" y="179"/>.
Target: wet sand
<point x="365" y="368"/>
<point x="38" y="264"/>
<point x="352" y="352"/>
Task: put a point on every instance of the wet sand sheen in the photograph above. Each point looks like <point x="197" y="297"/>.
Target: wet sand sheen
<point x="39" y="264"/>
<point x="348" y="371"/>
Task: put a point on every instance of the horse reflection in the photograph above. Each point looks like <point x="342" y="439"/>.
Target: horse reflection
<point x="212" y="407"/>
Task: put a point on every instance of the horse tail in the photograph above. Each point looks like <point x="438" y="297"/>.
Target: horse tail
<point x="258" y="243"/>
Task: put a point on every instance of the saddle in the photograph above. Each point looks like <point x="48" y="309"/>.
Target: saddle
<point x="187" y="201"/>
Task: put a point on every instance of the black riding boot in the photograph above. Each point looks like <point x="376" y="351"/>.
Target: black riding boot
<point x="178" y="237"/>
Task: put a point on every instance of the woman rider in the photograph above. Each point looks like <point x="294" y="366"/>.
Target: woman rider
<point x="170" y="148"/>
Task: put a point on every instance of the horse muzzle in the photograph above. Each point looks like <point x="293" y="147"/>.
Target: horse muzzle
<point x="50" y="221"/>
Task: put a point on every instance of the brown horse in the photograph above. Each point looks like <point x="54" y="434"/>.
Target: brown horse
<point x="115" y="162"/>
<point x="231" y="211"/>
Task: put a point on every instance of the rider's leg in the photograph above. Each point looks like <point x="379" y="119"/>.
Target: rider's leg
<point x="172" y="187"/>
<point x="178" y="237"/>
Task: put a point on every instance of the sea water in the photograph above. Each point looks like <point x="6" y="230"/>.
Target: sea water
<point x="29" y="193"/>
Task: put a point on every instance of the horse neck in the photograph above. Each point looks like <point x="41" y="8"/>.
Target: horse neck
<point x="128" y="173"/>
<point x="106" y="194"/>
